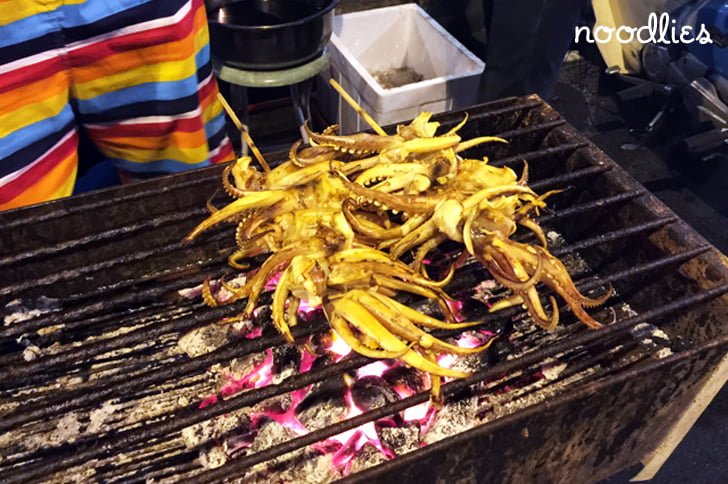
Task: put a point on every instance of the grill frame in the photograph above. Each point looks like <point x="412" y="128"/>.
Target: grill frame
<point x="647" y="399"/>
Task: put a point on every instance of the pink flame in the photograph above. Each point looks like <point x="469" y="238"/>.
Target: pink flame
<point x="419" y="412"/>
<point x="344" y="447"/>
<point x="352" y="441"/>
<point x="457" y="309"/>
<point x="272" y="282"/>
<point x="338" y="347"/>
<point x="374" y="369"/>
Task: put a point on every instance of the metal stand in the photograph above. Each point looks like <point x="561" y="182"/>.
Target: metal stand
<point x="299" y="79"/>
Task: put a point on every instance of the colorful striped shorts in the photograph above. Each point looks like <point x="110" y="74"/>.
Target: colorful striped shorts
<point x="134" y="74"/>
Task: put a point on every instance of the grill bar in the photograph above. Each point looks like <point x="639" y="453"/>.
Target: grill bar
<point x="73" y="318"/>
<point x="538" y="154"/>
<point x="536" y="128"/>
<point x="240" y="465"/>
<point x="614" y="235"/>
<point x="575" y="175"/>
<point x="105" y="236"/>
<point x="100" y="266"/>
<point x="125" y="197"/>
<point x="583" y="208"/>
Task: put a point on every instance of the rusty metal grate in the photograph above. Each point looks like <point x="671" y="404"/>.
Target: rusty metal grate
<point x="103" y="273"/>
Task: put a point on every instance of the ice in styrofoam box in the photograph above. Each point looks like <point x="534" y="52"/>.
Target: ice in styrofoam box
<point x="404" y="36"/>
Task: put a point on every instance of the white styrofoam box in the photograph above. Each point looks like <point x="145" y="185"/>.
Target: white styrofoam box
<point x="396" y="37"/>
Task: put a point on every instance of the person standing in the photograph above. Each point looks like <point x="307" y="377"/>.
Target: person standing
<point x="135" y="75"/>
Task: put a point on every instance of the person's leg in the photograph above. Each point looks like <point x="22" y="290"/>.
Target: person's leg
<point x="38" y="138"/>
<point x="142" y="83"/>
<point x="556" y="33"/>
<point x="527" y="41"/>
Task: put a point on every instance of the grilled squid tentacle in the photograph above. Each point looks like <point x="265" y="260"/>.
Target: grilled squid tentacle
<point x="359" y="317"/>
<point x="250" y="201"/>
<point x="278" y="307"/>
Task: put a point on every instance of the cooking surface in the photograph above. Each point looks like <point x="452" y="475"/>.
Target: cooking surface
<point x="99" y="278"/>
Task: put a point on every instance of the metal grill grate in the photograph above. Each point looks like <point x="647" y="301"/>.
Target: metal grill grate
<point x="104" y="271"/>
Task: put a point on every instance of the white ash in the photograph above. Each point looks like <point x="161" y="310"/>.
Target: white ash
<point x="213" y="458"/>
<point x="552" y="371"/>
<point x="242" y="325"/>
<point x="500" y="405"/>
<point x="100" y="416"/>
<point x="303" y="465"/>
<point x="284" y="374"/>
<point x="19" y="311"/>
<point x="67" y="430"/>
<point x="554" y="239"/>
<point x="218" y="290"/>
<point x="323" y="413"/>
<point x="368" y="456"/>
<point x="487" y="291"/>
<point x="454" y="418"/>
<point x="204" y="340"/>
<point x="32" y="352"/>
<point x="649" y="336"/>
<point x="401" y="440"/>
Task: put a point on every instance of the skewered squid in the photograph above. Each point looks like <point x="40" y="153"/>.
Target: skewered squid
<point x="295" y="215"/>
<point x="339" y="218"/>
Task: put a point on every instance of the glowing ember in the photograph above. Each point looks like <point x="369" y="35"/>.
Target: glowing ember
<point x="260" y="376"/>
<point x="418" y="413"/>
<point x="344" y="448"/>
<point x="474" y="339"/>
<point x="304" y="308"/>
<point x="374" y="369"/>
<point x="273" y="282"/>
<point x="457" y="309"/>
<point x="352" y="441"/>
<point x="446" y="360"/>
<point x="254" y="333"/>
<point x="338" y="347"/>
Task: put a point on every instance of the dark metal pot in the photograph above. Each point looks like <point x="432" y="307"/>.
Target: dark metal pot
<point x="269" y="34"/>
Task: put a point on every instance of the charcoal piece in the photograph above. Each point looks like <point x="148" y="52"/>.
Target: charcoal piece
<point x="406" y="377"/>
<point x="372" y="392"/>
<point x="285" y="356"/>
<point x="400" y="440"/>
<point x="368" y="456"/>
<point x="320" y="411"/>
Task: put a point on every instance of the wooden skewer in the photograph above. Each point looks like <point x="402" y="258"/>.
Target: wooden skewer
<point x="244" y="132"/>
<point x="350" y="101"/>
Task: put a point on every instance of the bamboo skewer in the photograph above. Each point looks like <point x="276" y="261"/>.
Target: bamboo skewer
<point x="350" y="101"/>
<point x="244" y="132"/>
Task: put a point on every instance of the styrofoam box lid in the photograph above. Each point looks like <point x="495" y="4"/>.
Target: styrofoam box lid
<point x="400" y="36"/>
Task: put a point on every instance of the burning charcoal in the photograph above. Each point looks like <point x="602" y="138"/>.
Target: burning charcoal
<point x="285" y="356"/>
<point x="262" y="317"/>
<point x="368" y="456"/>
<point x="209" y="430"/>
<point x="400" y="439"/>
<point x="319" y="411"/>
<point x="213" y="457"/>
<point x="270" y="434"/>
<point x="206" y="339"/>
<point x="371" y="392"/>
<point x="454" y="418"/>
<point x="499" y="351"/>
<point x="406" y="377"/>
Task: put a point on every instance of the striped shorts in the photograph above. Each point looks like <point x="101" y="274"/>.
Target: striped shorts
<point x="134" y="74"/>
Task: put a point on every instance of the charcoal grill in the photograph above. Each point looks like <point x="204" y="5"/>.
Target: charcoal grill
<point x="98" y="278"/>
